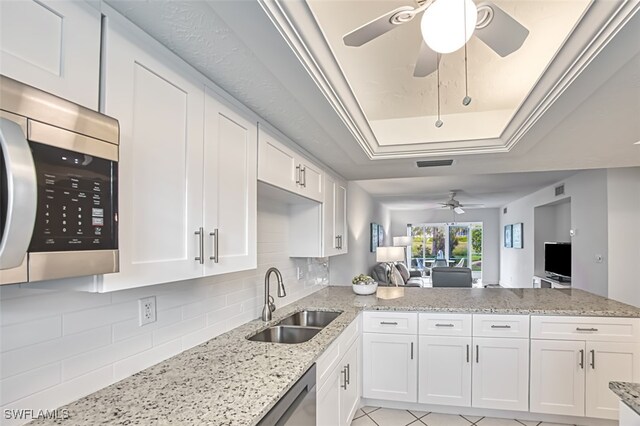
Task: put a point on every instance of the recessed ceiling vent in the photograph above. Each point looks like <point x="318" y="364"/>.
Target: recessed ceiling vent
<point x="434" y="163"/>
<point x="560" y="190"/>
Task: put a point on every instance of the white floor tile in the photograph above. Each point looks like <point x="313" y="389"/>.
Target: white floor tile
<point x="363" y="421"/>
<point x="529" y="422"/>
<point x="368" y="409"/>
<point x="437" y="419"/>
<point x="554" y="424"/>
<point x="389" y="417"/>
<point x="472" y="419"/>
<point x="419" y="414"/>
<point x="490" y="421"/>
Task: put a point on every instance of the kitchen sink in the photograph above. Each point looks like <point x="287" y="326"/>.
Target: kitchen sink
<point x="296" y="328"/>
<point x="310" y="318"/>
<point x="285" y="334"/>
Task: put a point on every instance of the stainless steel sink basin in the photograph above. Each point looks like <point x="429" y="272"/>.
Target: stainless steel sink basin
<point x="285" y="334"/>
<point x="310" y="318"/>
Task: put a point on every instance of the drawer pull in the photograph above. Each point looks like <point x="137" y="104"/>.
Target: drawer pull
<point x="344" y="376"/>
<point x="593" y="359"/>
<point x="581" y="364"/>
<point x="467" y="354"/>
<point x="586" y="329"/>
<point x="388" y="323"/>
<point x="444" y="325"/>
<point x="500" y="326"/>
<point x="411" y="350"/>
<point x="477" y="354"/>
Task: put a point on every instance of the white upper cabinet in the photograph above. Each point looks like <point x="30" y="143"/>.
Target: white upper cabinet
<point x="230" y="189"/>
<point x="187" y="168"/>
<point x="335" y="216"/>
<point x="54" y="46"/>
<point x="282" y="167"/>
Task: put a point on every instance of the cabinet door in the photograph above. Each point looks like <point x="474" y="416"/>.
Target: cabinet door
<point x="444" y="367"/>
<point x="54" y="46"/>
<point x="160" y="171"/>
<point x="607" y="362"/>
<point x="557" y="377"/>
<point x="277" y="164"/>
<point x="230" y="203"/>
<point x="350" y="395"/>
<point x="501" y="374"/>
<point x="311" y="181"/>
<point x="329" y="218"/>
<point x="340" y="208"/>
<point x="328" y="399"/>
<point x="389" y="367"/>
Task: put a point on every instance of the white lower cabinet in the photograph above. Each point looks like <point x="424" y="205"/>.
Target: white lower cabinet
<point x="444" y="370"/>
<point x="338" y="393"/>
<point x="390" y="367"/>
<point x="571" y="377"/>
<point x="500" y="374"/>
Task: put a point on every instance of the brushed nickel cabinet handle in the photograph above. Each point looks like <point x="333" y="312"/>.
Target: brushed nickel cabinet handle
<point x="477" y="354"/>
<point x="593" y="359"/>
<point x="303" y="172"/>
<point x="215" y="234"/>
<point x="344" y="377"/>
<point x="581" y="364"/>
<point x="388" y="323"/>
<point x="298" y="175"/>
<point x="411" y="350"/>
<point x="200" y="234"/>
<point x="349" y="374"/>
<point x="586" y="329"/>
<point x="467" y="354"/>
<point x="444" y="325"/>
<point x="500" y="326"/>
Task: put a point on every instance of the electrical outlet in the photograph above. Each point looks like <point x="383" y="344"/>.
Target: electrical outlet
<point x="147" y="310"/>
<point x="299" y="273"/>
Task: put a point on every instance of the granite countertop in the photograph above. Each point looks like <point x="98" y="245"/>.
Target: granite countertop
<point x="232" y="381"/>
<point x="629" y="393"/>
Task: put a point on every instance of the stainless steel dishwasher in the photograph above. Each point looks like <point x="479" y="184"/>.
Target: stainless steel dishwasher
<point x="298" y="406"/>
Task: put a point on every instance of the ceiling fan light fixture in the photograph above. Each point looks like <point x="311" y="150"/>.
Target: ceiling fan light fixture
<point x="447" y="25"/>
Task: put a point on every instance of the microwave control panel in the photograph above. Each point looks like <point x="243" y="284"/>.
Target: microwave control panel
<point x="77" y="202"/>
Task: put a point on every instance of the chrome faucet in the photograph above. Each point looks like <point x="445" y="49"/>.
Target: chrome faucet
<point x="269" y="306"/>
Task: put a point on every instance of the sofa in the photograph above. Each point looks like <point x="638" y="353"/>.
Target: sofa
<point x="380" y="273"/>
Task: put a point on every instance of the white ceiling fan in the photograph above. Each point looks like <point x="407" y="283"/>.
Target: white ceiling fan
<point x="455" y="205"/>
<point x="447" y="25"/>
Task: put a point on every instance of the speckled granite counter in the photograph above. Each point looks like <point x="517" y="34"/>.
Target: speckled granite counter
<point x="629" y="393"/>
<point x="232" y="381"/>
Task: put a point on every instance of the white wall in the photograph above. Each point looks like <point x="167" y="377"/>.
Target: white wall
<point x="491" y="232"/>
<point x="588" y="192"/>
<point x="362" y="209"/>
<point x="57" y="345"/>
<point x="623" y="202"/>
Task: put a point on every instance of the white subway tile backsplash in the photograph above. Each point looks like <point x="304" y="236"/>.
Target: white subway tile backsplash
<point x="73" y="343"/>
<point x="26" y="358"/>
<point x="30" y="333"/>
<point x="22" y="385"/>
<point x="95" y="359"/>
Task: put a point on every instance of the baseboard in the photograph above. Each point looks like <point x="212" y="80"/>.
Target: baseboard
<point x="471" y="411"/>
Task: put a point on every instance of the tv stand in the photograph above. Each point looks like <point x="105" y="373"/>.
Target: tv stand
<point x="558" y="279"/>
<point x="546" y="282"/>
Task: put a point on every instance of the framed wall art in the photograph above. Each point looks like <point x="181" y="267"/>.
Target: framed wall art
<point x="516" y="235"/>
<point x="508" y="242"/>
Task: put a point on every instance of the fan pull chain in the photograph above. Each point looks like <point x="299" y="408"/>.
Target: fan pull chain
<point x="467" y="99"/>
<point x="439" y="122"/>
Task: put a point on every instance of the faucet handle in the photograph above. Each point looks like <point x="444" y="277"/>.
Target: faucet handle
<point x="272" y="305"/>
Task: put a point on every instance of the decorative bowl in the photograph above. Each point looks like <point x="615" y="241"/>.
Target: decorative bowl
<point x="365" y="289"/>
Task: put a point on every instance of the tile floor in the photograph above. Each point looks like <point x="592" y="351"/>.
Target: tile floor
<point x="375" y="416"/>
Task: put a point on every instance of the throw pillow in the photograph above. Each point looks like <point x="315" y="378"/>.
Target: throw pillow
<point x="396" y="278"/>
<point x="403" y="271"/>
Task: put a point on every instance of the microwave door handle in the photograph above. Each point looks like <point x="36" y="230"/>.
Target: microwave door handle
<point x="22" y="195"/>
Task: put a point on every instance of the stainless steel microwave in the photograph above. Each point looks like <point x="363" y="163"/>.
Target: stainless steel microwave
<point x="58" y="187"/>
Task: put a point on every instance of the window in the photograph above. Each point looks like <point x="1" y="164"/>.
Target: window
<point x="454" y="244"/>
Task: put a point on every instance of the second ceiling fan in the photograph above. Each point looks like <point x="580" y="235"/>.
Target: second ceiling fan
<point x="446" y="26"/>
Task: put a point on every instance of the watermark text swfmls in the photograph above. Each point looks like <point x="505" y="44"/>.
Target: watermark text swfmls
<point x="29" y="414"/>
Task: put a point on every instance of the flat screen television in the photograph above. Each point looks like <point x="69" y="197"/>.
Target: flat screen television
<point x="557" y="260"/>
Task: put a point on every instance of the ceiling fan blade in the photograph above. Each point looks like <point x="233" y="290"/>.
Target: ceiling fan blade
<point x="503" y="34"/>
<point x="472" y="205"/>
<point x="373" y="29"/>
<point x="427" y="61"/>
<point x="458" y="210"/>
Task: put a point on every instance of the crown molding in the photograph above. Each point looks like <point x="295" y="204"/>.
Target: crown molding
<point x="295" y="21"/>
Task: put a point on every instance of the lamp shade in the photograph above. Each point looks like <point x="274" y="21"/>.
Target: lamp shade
<point x="389" y="254"/>
<point x="402" y="241"/>
<point x="448" y="24"/>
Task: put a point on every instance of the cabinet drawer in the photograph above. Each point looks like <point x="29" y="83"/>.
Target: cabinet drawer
<point x="586" y="328"/>
<point x="501" y="326"/>
<point x="391" y="322"/>
<point x="444" y="324"/>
